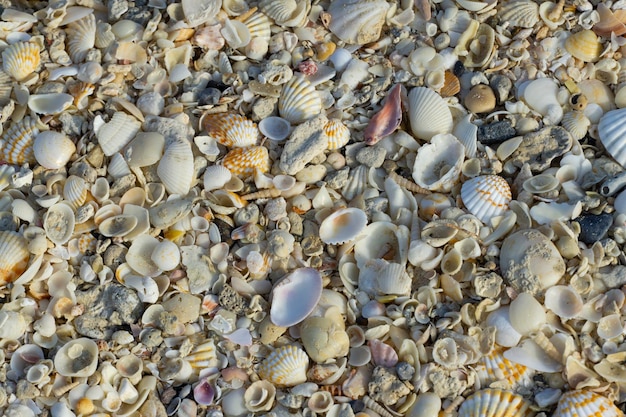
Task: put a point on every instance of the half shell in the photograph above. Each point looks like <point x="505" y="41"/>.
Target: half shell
<point x="519" y="13"/>
<point x="20" y="59"/>
<point x="584" y="45"/>
<point x="59" y="223"/>
<point x="17" y="142"/>
<point x="53" y="149"/>
<point x="342" y="226"/>
<point x="428" y="113"/>
<point x="231" y="130"/>
<point x="438" y="164"/>
<point x="299" y="101"/>
<point x="338" y="134"/>
<point x="176" y="169"/>
<point x="244" y="161"/>
<point x="14" y="256"/>
<point x="81" y="37"/>
<point x="495" y="403"/>
<point x="295" y="296"/>
<point x="117" y="133"/>
<point x="275" y="128"/>
<point x="586" y="403"/>
<point x="611" y="129"/>
<point x="290" y="13"/>
<point x="285" y="367"/>
<point x="357" y="21"/>
<point x="486" y="196"/>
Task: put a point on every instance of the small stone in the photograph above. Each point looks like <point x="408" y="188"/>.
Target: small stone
<point x="501" y="85"/>
<point x="263" y="107"/>
<point x="231" y="300"/>
<point x="405" y="371"/>
<point x="85" y="171"/>
<point x="264" y="90"/>
<point x="276" y="208"/>
<point x="210" y="96"/>
<point x="153" y="407"/>
<point x="480" y="99"/>
<point x="538" y="149"/>
<point x="247" y="214"/>
<point x="611" y="277"/>
<point x="386" y="388"/>
<point x="337" y="179"/>
<point x="170" y="128"/>
<point x="306" y="141"/>
<point x="151" y="103"/>
<point x="495" y="133"/>
<point x="594" y="227"/>
<point x="371" y="156"/>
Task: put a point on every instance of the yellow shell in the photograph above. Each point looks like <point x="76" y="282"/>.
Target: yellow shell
<point x="243" y="161"/>
<point x="20" y="59"/>
<point x="17" y="143"/>
<point x="231" y="130"/>
<point x="495" y="403"/>
<point x="496" y="368"/>
<point x="14" y="256"/>
<point x="584" y="45"/>
<point x="586" y="403"/>
<point x="285" y="367"/>
<point x="338" y="134"/>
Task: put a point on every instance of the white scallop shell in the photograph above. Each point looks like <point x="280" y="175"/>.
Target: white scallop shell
<point x="576" y="123"/>
<point x="51" y="103"/>
<point x="115" y="134"/>
<point x="290" y="13"/>
<point x="77" y="358"/>
<point x="275" y="128"/>
<point x="14" y="256"/>
<point x="342" y="226"/>
<point x="519" y="13"/>
<point x="176" y="168"/>
<point x="53" y="149"/>
<point x="467" y="133"/>
<point x="215" y="177"/>
<point x="75" y="191"/>
<point x="486" y="196"/>
<point x="299" y="101"/>
<point x="611" y="129"/>
<point x="357" y="21"/>
<point x="495" y="403"/>
<point x="59" y="223"/>
<point x="199" y="11"/>
<point x="118" y="167"/>
<point x="285" y="367"/>
<point x="586" y="403"/>
<point x="81" y="37"/>
<point x="295" y="296"/>
<point x="428" y="113"/>
<point x="438" y="163"/>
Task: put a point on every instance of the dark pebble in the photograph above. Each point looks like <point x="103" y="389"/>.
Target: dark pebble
<point x="496" y="132"/>
<point x="594" y="227"/>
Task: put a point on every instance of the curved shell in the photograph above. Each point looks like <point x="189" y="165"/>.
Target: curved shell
<point x="51" y="103"/>
<point x="342" y="226"/>
<point x="295" y="296"/>
<point x="117" y="133"/>
<point x="77" y="358"/>
<point x="259" y="396"/>
<point x="215" y="177"/>
<point x="14" y="256"/>
<point x="586" y="403"/>
<point x="275" y="128"/>
<point x="199" y="11"/>
<point x="611" y="130"/>
<point x="584" y="45"/>
<point x="438" y="164"/>
<point x="508" y="375"/>
<point x="259" y="26"/>
<point x="285" y="367"/>
<point x="244" y="161"/>
<point x="59" y="223"/>
<point x="576" y="123"/>
<point x="53" y="149"/>
<point x="299" y="101"/>
<point x="486" y="196"/>
<point x="428" y="113"/>
<point x="564" y="301"/>
<point x="20" y="59"/>
<point x="231" y="130"/>
<point x="357" y="21"/>
<point x="81" y="37"/>
<point x="17" y="142"/>
<point x="290" y="13"/>
<point x="467" y="133"/>
<point x="75" y="191"/>
<point x="176" y="167"/>
<point x="519" y="13"/>
<point x="338" y="134"/>
<point x="495" y="403"/>
<point x="117" y="226"/>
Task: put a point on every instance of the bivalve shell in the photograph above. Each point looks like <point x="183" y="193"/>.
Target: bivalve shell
<point x="275" y="128"/>
<point x="357" y="21"/>
<point x="244" y="161"/>
<point x="428" y="113"/>
<point x="20" y="59"/>
<point x="117" y="133"/>
<point x="342" y="226"/>
<point x="299" y="101"/>
<point x="611" y="129"/>
<point x="17" y="142"/>
<point x="295" y="296"/>
<point x="519" y="13"/>
<point x="77" y="358"/>
<point x="486" y="196"/>
<point x="81" y="37"/>
<point x="199" y="11"/>
<point x="53" y="149"/>
<point x="52" y="103"/>
<point x="495" y="403"/>
<point x="289" y="13"/>
<point x="215" y="177"/>
<point x="586" y="403"/>
<point x="438" y="164"/>
<point x="285" y="367"/>
<point x="75" y="191"/>
<point x="338" y="134"/>
<point x="576" y="123"/>
<point x="584" y="45"/>
<point x="495" y="368"/>
<point x="231" y="130"/>
<point x="14" y="256"/>
<point x="176" y="169"/>
<point x="59" y="223"/>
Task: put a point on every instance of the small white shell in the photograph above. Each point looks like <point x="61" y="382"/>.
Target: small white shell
<point x="357" y="21"/>
<point x="235" y="33"/>
<point x="275" y="128"/>
<point x="576" y="123"/>
<point x="299" y="101"/>
<point x="215" y="177"/>
<point x="81" y="37"/>
<point x="59" y="223"/>
<point x="428" y="113"/>
<point x="116" y="134"/>
<point x="259" y="26"/>
<point x="199" y="11"/>
<point x="139" y="256"/>
<point x="438" y="164"/>
<point x="486" y="196"/>
<point x="51" y="103"/>
<point x="342" y="226"/>
<point x="564" y="301"/>
<point x="118" y="225"/>
<point x="285" y="367"/>
<point x="611" y="129"/>
<point x="290" y="13"/>
<point x="166" y="255"/>
<point x="466" y="132"/>
<point x="176" y="169"/>
<point x="519" y="13"/>
<point x="295" y="296"/>
<point x="77" y="358"/>
<point x="145" y="149"/>
<point x="53" y="149"/>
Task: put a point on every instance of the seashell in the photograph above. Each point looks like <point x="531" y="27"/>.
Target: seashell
<point x="497" y="370"/>
<point x="476" y="44"/>
<point x="486" y="196"/>
<point x="299" y="101"/>
<point x="320" y="402"/>
<point x="52" y="103"/>
<point x="259" y="396"/>
<point x="480" y="99"/>
<point x="145" y="149"/>
<point x="584" y="45"/>
<point x="338" y="134"/>
<point x="576" y="123"/>
<point x="130" y="367"/>
<point x="53" y="150"/>
<point x="235" y="33"/>
<point x="383" y="354"/>
<point x="17" y="142"/>
<point x="608" y="22"/>
<point x="176" y="169"/>
<point x="342" y="226"/>
<point x="285" y="366"/>
<point x="526" y="314"/>
<point x="611" y="130"/>
<point x="355" y="21"/>
<point x="117" y="133"/>
<point x="75" y="191"/>
<point x="244" y="161"/>
<point x="467" y="133"/>
<point x="585" y="403"/>
<point x="231" y="130"/>
<point x="495" y="403"/>
<point x="451" y="85"/>
<point x="324" y="338"/>
<point x="77" y="358"/>
<point x="166" y="255"/>
<point x="438" y="164"/>
<point x="198" y="12"/>
<point x="59" y="223"/>
<point x="295" y="296"/>
<point x="564" y="301"/>
<point x="610" y="326"/>
<point x="259" y="26"/>
<point x="20" y="60"/>
<point x="289" y="13"/>
<point x="275" y="128"/>
<point x="117" y="226"/>
<point x="539" y="184"/>
<point x="428" y="113"/>
<point x="519" y="13"/>
<point x="215" y="177"/>
<point x="387" y="119"/>
<point x="81" y="37"/>
<point x="139" y="256"/>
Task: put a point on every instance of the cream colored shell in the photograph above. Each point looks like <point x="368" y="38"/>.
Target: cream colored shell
<point x="285" y="367"/>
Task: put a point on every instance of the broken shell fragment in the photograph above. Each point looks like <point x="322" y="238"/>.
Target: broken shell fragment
<point x="429" y="114"/>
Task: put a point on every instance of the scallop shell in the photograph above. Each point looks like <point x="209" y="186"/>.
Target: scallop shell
<point x="586" y="403"/>
<point x="289" y="13"/>
<point x="467" y="133"/>
<point x="75" y="191"/>
<point x="14" y="256"/>
<point x="199" y="11"/>
<point x="244" y="161"/>
<point x="259" y="26"/>
<point x="231" y="130"/>
<point x="519" y="13"/>
<point x="428" y="113"/>
<point x="20" y="59"/>
<point x="438" y="164"/>
<point x="176" y="169"/>
<point x="81" y="37"/>
<point x="17" y="142"/>
<point x="495" y="403"/>
<point x="611" y="130"/>
<point x="53" y="149"/>
<point x="299" y="101"/>
<point x="275" y="128"/>
<point x="215" y="177"/>
<point x="495" y="368"/>
<point x="117" y="133"/>
<point x="338" y="134"/>
<point x="357" y="21"/>
<point x="486" y="196"/>
<point x="576" y="123"/>
<point x="59" y="223"/>
<point x="285" y="367"/>
<point x="584" y="45"/>
<point x="342" y="226"/>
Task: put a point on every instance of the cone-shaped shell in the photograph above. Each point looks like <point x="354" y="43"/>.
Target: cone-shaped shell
<point x="338" y="134"/>
<point x="20" y="59"/>
<point x="342" y="226"/>
<point x="285" y="367"/>
<point x="586" y="403"/>
<point x="81" y="37"/>
<point x="17" y="142"/>
<point x="486" y="196"/>
<point x="428" y="113"/>
<point x="243" y="161"/>
<point x="495" y="403"/>
<point x="176" y="168"/>
<point x="612" y="128"/>
<point x="295" y="296"/>
<point x="357" y="21"/>
<point x="299" y="101"/>
<point x="584" y="45"/>
<point x="14" y="256"/>
<point x="231" y="130"/>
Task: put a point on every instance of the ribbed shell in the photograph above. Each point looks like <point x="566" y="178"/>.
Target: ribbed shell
<point x="338" y="134"/>
<point x="17" y="142"/>
<point x="299" y="101"/>
<point x="259" y="26"/>
<point x="467" y="133"/>
<point x="75" y="191"/>
<point x="495" y="403"/>
<point x="290" y="13"/>
<point x="429" y="114"/>
<point x="576" y="123"/>
<point x="357" y="21"/>
<point x="243" y="161"/>
<point x="81" y="37"/>
<point x="231" y="130"/>
<point x="176" y="167"/>
<point x="520" y="13"/>
<point x="496" y="368"/>
<point x="486" y="196"/>
<point x="14" y="256"/>
<point x="285" y="367"/>
<point x="215" y="177"/>
<point x="20" y="59"/>
<point x="117" y="133"/>
<point x="581" y="403"/>
<point x="584" y="45"/>
<point x="612" y="129"/>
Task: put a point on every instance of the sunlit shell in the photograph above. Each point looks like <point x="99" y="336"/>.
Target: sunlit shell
<point x="495" y="403"/>
<point x="81" y="37"/>
<point x="17" y="142"/>
<point x="290" y="13"/>
<point x="215" y="177"/>
<point x="285" y="367"/>
<point x="199" y="11"/>
<point x="495" y="368"/>
<point x="486" y="196"/>
<point x="14" y="256"/>
<point x="611" y="130"/>
<point x="576" y="123"/>
<point x="564" y="301"/>
<point x="20" y="59"/>
<point x="59" y="223"/>
<point x="609" y="23"/>
<point x="299" y="101"/>
<point x="52" y="103"/>
<point x="342" y="226"/>
<point x="53" y="149"/>
<point x="75" y="191"/>
<point x="466" y="132"/>
<point x="338" y="134"/>
<point x="243" y="161"/>
<point x="586" y="403"/>
<point x="428" y="113"/>
<point x="584" y="45"/>
<point x="451" y="85"/>
<point x="357" y="21"/>
<point x="259" y="26"/>
<point x="519" y="13"/>
<point x="231" y="130"/>
<point x="176" y="167"/>
<point x="117" y="133"/>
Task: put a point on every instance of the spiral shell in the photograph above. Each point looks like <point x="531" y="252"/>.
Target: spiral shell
<point x="20" y="60"/>
<point x="299" y="101"/>
<point x="285" y="367"/>
<point x="14" y="256"/>
<point x="338" y="134"/>
<point x="486" y="196"/>
<point x="231" y="130"/>
<point x="495" y="403"/>
<point x="17" y="142"/>
<point x="585" y="403"/>
<point x="243" y="161"/>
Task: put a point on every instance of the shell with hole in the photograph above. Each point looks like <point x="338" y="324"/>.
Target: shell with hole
<point x="438" y="164"/>
<point x="429" y="114"/>
<point x="259" y="396"/>
<point x="21" y="60"/>
<point x="357" y="21"/>
<point x="299" y="101"/>
<point x="232" y="130"/>
<point x="486" y="196"/>
<point x="342" y="226"/>
<point x="285" y="366"/>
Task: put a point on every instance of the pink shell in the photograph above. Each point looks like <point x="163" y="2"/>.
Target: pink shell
<point x="295" y="296"/>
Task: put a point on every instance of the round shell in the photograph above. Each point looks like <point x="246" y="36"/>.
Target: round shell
<point x="611" y="130"/>
<point x="342" y="226"/>
<point x="176" y="169"/>
<point x="519" y="13"/>
<point x="299" y="101"/>
<point x="509" y="375"/>
<point x="215" y="177"/>
<point x="585" y="403"/>
<point x="77" y="358"/>
<point x="584" y="45"/>
<point x="338" y="134"/>
<point x="428" y="113"/>
<point x="285" y="367"/>
<point x="275" y="128"/>
<point x="20" y="59"/>
<point x="81" y="37"/>
<point x="231" y="130"/>
<point x="243" y="161"/>
<point x="59" y="223"/>
<point x="486" y="196"/>
<point x="53" y="149"/>
<point x="495" y="403"/>
<point x="14" y="256"/>
<point x="17" y="142"/>
<point x="295" y="296"/>
<point x="75" y="191"/>
<point x="357" y="21"/>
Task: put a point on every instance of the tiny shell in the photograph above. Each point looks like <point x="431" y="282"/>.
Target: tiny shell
<point x="338" y="134"/>
<point x="275" y="128"/>
<point x="117" y="133"/>
<point x="14" y="256"/>
<point x="17" y="142"/>
<point x="231" y="130"/>
<point x="357" y="21"/>
<point x="59" y="223"/>
<point x="486" y="196"/>
<point x="285" y="367"/>
<point x="342" y="226"/>
<point x="495" y="403"/>
<point x="244" y="161"/>
<point x="20" y="59"/>
<point x="295" y="296"/>
<point x="586" y="403"/>
<point x="299" y="101"/>
<point x="428" y="113"/>
<point x="611" y="130"/>
<point x="53" y="149"/>
<point x="584" y="45"/>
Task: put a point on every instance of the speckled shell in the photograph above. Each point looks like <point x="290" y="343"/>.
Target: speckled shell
<point x="299" y="101"/>
<point x="338" y="134"/>
<point x="496" y="368"/>
<point x="429" y="114"/>
<point x="14" y="256"/>
<point x="20" y="59"/>
<point x="584" y="45"/>
<point x="520" y="13"/>
<point x="486" y="196"/>
<point x="357" y="21"/>
<point x="243" y="161"/>
<point x="81" y="37"/>
<point x="586" y="403"/>
<point x="285" y="367"/>
<point x="17" y="142"/>
<point x="495" y="403"/>
<point x="231" y="130"/>
<point x="612" y="128"/>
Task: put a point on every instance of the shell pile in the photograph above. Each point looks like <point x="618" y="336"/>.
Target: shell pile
<point x="333" y="208"/>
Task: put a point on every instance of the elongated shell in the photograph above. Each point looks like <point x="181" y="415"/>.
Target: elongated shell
<point x="290" y="13"/>
<point x="243" y="161"/>
<point x="20" y="59"/>
<point x="612" y="128"/>
<point x="285" y="367"/>
<point x="520" y="13"/>
<point x="495" y="403"/>
<point x="299" y="101"/>
<point x="486" y="196"/>
<point x="338" y="134"/>
<point x="231" y="130"/>
<point x="17" y="142"/>
<point x="176" y="167"/>
<point x="586" y="403"/>
<point x="117" y="133"/>
<point x="584" y="45"/>
<point x="53" y="149"/>
<point x="342" y="226"/>
<point x="357" y="21"/>
<point x="81" y="37"/>
<point x="14" y="256"/>
<point x="428" y="113"/>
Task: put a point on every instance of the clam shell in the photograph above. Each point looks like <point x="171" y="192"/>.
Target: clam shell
<point x="584" y="45"/>
<point x="486" y="196"/>
<point x="20" y="60"/>
<point x="52" y="103"/>
<point x="14" y="256"/>
<point x="17" y="142"/>
<point x="290" y="13"/>
<point x="338" y="134"/>
<point x="586" y="403"/>
<point x="438" y="164"/>
<point x="259" y="26"/>
<point x="611" y="130"/>
<point x="81" y="37"/>
<point x="295" y="296"/>
<point x="231" y="130"/>
<point x="145" y="149"/>
<point x="117" y="226"/>
<point x="59" y="223"/>
<point x="466" y="132"/>
<point x="495" y="403"/>
<point x="357" y="21"/>
<point x="176" y="169"/>
<point x="244" y="161"/>
<point x="215" y="177"/>
<point x="342" y="226"/>
<point x="564" y="301"/>
<point x="495" y="368"/>
<point x="285" y="367"/>
<point x="275" y="128"/>
<point x="428" y="113"/>
<point x="77" y="358"/>
<point x="53" y="150"/>
<point x="299" y="101"/>
<point x="519" y="13"/>
<point x="117" y="133"/>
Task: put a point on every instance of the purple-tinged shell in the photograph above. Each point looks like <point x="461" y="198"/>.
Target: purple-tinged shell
<point x="387" y="120"/>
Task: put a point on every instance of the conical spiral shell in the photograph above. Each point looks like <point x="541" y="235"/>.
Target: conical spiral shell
<point x="585" y="403"/>
<point x="285" y="367"/>
<point x="17" y="142"/>
<point x="231" y="130"/>
<point x="20" y="59"/>
<point x="14" y="256"/>
<point x="243" y="161"/>
<point x="495" y="403"/>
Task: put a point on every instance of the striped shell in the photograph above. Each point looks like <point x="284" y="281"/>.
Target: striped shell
<point x="176" y="167"/>
<point x="584" y="45"/>
<point x="285" y="367"/>
<point x="290" y="13"/>
<point x="14" y="256"/>
<point x="429" y="114"/>
<point x="117" y="133"/>
<point x="20" y="59"/>
<point x="299" y="101"/>
<point x="587" y="404"/>
<point x="495" y="368"/>
<point x="338" y="134"/>
<point x="495" y="403"/>
<point x="520" y="13"/>
<point x="576" y="123"/>
<point x="59" y="223"/>
<point x="231" y="130"/>
<point x="215" y="177"/>
<point x="611" y="130"/>
<point x="75" y="191"/>
<point x="81" y="37"/>
<point x="486" y="196"/>
<point x="243" y="161"/>
<point x="202" y="356"/>
<point x="259" y="26"/>
<point x="17" y="142"/>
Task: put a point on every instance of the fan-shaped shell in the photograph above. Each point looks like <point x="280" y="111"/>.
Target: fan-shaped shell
<point x="81" y="37"/>
<point x="20" y="59"/>
<point x="584" y="45"/>
<point x="17" y="142"/>
<point x="495" y="368"/>
<point x="259" y="26"/>
<point x="199" y="11"/>
<point x="14" y="256"/>
<point x="285" y="367"/>
<point x="586" y="403"/>
<point x="243" y="161"/>
<point x="176" y="167"/>
<point x="299" y="101"/>
<point x="117" y="133"/>
<point x="338" y="134"/>
<point x="576" y="123"/>
<point x="59" y="223"/>
<point x="290" y="13"/>
<point x="467" y="133"/>
<point x="77" y="358"/>
<point x="75" y="191"/>
<point x="438" y="164"/>
<point x="231" y="130"/>
<point x="342" y="226"/>
<point x="611" y="129"/>
<point x="495" y="403"/>
<point x="357" y="21"/>
<point x="53" y="149"/>
<point x="215" y="177"/>
<point x="428" y="113"/>
<point x="520" y="13"/>
<point x="486" y="196"/>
